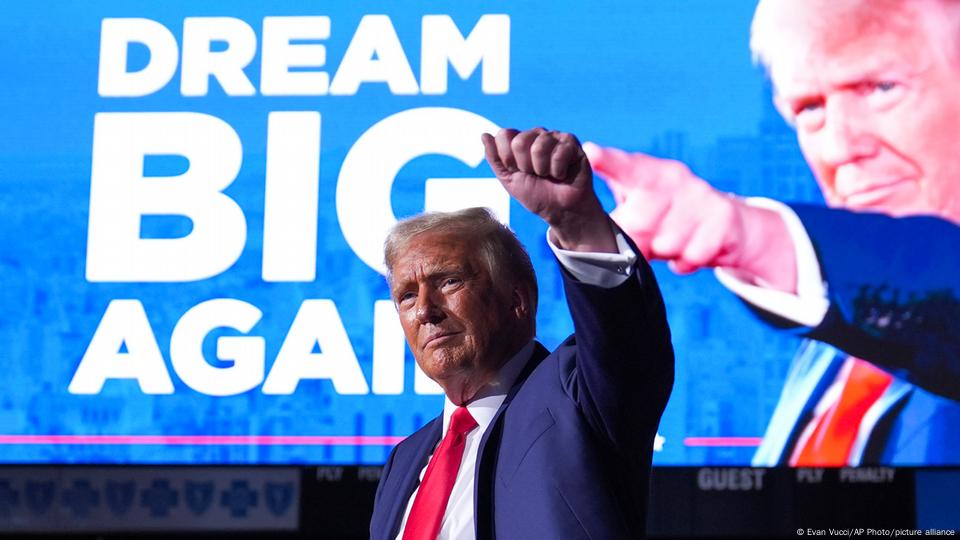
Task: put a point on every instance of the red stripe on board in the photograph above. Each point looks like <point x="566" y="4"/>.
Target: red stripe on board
<point x="201" y="440"/>
<point x="722" y="441"/>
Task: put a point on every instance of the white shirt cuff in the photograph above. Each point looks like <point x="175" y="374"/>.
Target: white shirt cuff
<point x="601" y="269"/>
<point x="809" y="306"/>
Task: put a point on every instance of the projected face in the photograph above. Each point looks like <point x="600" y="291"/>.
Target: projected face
<point x="454" y="318"/>
<point x="876" y="106"/>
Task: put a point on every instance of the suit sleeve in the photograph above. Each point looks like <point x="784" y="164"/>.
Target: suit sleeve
<point x="379" y="511"/>
<point x="624" y="358"/>
<point x="892" y="286"/>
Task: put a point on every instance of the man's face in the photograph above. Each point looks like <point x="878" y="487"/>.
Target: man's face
<point x="877" y="114"/>
<point x="457" y="323"/>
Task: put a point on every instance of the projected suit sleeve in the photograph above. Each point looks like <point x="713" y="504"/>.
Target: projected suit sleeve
<point x="890" y="298"/>
<point x="893" y="289"/>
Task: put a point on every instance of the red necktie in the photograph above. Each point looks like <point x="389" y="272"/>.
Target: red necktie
<point x="828" y="438"/>
<point x="431" y="502"/>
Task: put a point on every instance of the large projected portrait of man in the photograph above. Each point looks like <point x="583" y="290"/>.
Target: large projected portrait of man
<point x="872" y="88"/>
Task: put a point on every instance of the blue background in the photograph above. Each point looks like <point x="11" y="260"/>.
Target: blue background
<point x="673" y="79"/>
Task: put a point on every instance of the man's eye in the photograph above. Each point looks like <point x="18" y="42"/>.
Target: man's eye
<point x="808" y="114"/>
<point x="807" y="107"/>
<point x="452" y="282"/>
<point x="884" y="86"/>
<point x="885" y="94"/>
<point x="405" y="297"/>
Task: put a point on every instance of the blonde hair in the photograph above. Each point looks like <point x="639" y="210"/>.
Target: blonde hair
<point x="499" y="248"/>
<point x="836" y="22"/>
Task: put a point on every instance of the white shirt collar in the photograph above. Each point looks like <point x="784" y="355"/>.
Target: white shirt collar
<point x="485" y="406"/>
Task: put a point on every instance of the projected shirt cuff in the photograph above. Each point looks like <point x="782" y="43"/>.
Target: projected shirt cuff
<point x="809" y="305"/>
<point x="601" y="269"/>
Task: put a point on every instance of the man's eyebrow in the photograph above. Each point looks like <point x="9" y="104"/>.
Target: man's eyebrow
<point x="444" y="271"/>
<point x="429" y="272"/>
<point x="879" y="70"/>
<point x="441" y="273"/>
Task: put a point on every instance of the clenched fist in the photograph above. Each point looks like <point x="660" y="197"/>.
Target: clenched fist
<point x="549" y="174"/>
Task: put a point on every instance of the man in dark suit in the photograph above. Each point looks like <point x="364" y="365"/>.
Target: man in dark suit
<point x="873" y="90"/>
<point x="532" y="444"/>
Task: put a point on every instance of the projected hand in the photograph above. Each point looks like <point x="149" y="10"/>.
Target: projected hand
<point x="548" y="173"/>
<point x="674" y="215"/>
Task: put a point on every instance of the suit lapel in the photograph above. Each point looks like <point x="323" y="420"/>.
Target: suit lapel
<point x="812" y="372"/>
<point x="411" y="462"/>
<point x="486" y="454"/>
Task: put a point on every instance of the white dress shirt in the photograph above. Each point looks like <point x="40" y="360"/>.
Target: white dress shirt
<point x="601" y="269"/>
<point x="809" y="305"/>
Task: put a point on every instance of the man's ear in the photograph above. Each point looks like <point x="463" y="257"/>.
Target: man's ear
<point x="520" y="302"/>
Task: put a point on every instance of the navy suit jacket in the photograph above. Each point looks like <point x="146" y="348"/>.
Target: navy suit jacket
<point x="894" y="291"/>
<point x="568" y="454"/>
